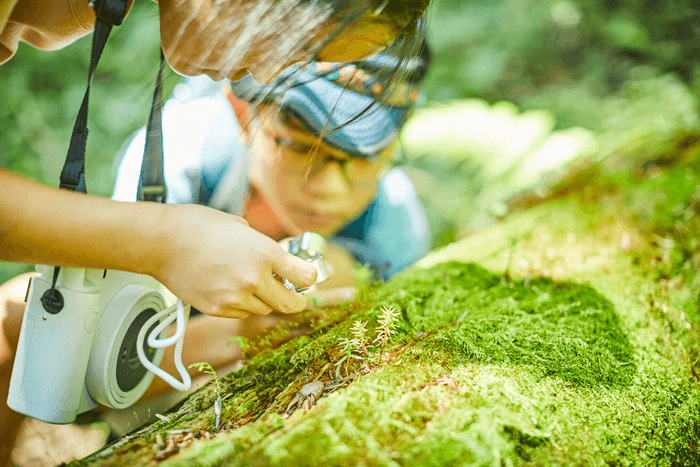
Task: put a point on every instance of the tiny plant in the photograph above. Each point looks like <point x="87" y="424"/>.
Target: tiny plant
<point x="347" y="347"/>
<point x="387" y="325"/>
<point x="359" y="333"/>
<point x="242" y="342"/>
<point x="204" y="367"/>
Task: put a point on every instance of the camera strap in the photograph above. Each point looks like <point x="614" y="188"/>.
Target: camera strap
<point x="152" y="181"/>
<point x="108" y="13"/>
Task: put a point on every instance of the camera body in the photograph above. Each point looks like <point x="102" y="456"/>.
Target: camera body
<point x="71" y="360"/>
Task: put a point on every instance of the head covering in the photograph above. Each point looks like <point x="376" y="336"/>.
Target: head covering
<point x="366" y="111"/>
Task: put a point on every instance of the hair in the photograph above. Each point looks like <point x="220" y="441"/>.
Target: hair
<point x="406" y="17"/>
<point x="402" y="15"/>
<point x="407" y="60"/>
<point x="272" y="32"/>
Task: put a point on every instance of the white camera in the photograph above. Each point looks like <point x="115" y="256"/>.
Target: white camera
<point x="78" y="345"/>
<point x="83" y="337"/>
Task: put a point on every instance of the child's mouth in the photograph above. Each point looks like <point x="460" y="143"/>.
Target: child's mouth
<point x="317" y="218"/>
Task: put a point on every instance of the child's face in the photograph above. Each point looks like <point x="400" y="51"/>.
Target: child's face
<point x="320" y="189"/>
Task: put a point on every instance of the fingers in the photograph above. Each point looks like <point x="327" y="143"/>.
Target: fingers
<point x="230" y="313"/>
<point x="297" y="271"/>
<point x="281" y="298"/>
<point x="248" y="304"/>
<point x="325" y="298"/>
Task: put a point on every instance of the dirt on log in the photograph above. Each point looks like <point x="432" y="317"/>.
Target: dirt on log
<point x="567" y="334"/>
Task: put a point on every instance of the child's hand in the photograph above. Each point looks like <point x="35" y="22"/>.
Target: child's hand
<point x="224" y="268"/>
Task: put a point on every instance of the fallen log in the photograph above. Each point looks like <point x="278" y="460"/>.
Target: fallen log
<point x="567" y="334"/>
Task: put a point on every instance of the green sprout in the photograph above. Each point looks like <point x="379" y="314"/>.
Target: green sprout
<point x="205" y="367"/>
<point x="387" y="326"/>
<point x="359" y="332"/>
<point x="347" y="347"/>
<point x="242" y="342"/>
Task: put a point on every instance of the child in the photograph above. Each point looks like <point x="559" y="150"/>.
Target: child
<point x="265" y="162"/>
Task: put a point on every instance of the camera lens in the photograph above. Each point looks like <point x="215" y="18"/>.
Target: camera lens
<point x="129" y="369"/>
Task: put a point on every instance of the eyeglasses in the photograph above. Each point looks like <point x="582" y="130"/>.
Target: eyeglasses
<point x="304" y="160"/>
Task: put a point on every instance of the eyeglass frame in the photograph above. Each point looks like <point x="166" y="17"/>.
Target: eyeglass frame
<point x="282" y="142"/>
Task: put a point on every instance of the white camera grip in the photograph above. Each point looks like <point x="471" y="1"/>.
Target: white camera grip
<point x="52" y="354"/>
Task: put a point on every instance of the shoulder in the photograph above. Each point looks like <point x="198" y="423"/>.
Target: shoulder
<point x="44" y="24"/>
<point x="196" y="106"/>
<point x="199" y="129"/>
<point x="399" y="214"/>
<point x="393" y="233"/>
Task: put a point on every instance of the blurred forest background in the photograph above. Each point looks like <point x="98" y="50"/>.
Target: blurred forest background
<point x="518" y="89"/>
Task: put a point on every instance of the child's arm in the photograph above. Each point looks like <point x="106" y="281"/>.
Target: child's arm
<point x="210" y="259"/>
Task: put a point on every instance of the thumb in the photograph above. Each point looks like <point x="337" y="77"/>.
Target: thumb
<point x="297" y="271"/>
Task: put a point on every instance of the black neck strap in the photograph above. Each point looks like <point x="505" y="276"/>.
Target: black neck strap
<point x="108" y="13"/>
<point x="73" y="173"/>
<point x="152" y="182"/>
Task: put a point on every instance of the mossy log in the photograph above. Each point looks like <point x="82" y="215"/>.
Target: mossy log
<point x="567" y="334"/>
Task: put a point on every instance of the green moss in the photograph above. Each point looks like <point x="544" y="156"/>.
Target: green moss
<point x="319" y="346"/>
<point x="507" y="373"/>
<point x="561" y="329"/>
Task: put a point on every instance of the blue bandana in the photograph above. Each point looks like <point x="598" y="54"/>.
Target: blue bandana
<point x="328" y="94"/>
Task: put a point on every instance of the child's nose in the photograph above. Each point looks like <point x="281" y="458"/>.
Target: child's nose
<point x="330" y="180"/>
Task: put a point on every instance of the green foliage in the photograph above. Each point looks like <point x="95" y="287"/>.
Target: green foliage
<point x="515" y="49"/>
<point x="468" y="158"/>
<point x="386" y="325"/>
<point x="627" y="71"/>
<point x="348" y="351"/>
<point x="206" y="368"/>
<point x="359" y="334"/>
<point x="242" y="342"/>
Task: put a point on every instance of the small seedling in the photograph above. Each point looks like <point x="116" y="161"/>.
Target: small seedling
<point x="242" y="342"/>
<point x="359" y="333"/>
<point x="204" y="367"/>
<point x="387" y="325"/>
<point x="347" y="347"/>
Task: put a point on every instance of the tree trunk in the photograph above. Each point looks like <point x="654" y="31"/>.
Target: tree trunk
<point x="567" y="334"/>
